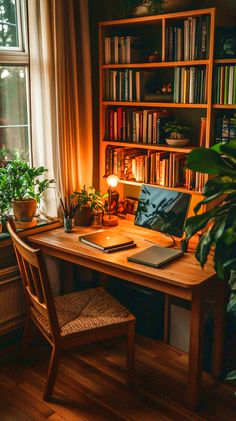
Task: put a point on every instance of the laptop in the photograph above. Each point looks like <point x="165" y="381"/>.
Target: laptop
<point x="155" y="256"/>
<point x="107" y="241"/>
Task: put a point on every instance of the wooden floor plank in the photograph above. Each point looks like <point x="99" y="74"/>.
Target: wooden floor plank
<point x="91" y="386"/>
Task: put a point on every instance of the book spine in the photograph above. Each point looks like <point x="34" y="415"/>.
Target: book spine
<point x="226" y="85"/>
<point x="231" y="83"/>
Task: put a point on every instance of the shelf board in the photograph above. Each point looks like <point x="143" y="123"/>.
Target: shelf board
<point x="226" y="106"/>
<point x="185" y="149"/>
<point x="156" y="65"/>
<point x="225" y="61"/>
<point x="180" y="189"/>
<point x="153" y="104"/>
<point x="152" y="19"/>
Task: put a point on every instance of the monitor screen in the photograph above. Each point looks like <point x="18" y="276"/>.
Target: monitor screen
<point x="162" y="210"/>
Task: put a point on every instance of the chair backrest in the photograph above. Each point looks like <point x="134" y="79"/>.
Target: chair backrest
<point x="35" y="279"/>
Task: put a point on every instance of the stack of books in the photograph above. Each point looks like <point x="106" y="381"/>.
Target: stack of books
<point x="195" y="180"/>
<point x="190" y="85"/>
<point x="124" y="85"/>
<point x="188" y="40"/>
<point x="159" y="168"/>
<point x="224" y="85"/>
<point x="121" y="50"/>
<point x="135" y="125"/>
<point x="225" y="128"/>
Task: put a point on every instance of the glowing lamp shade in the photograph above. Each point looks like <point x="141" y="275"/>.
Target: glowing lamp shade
<point x="112" y="181"/>
<point x="111" y="220"/>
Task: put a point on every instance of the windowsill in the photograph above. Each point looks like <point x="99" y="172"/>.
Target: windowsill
<point x="41" y="225"/>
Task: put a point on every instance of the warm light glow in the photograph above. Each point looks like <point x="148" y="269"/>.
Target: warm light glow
<point x="112" y="180"/>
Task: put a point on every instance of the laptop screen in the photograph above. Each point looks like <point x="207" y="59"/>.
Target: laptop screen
<point x="162" y="210"/>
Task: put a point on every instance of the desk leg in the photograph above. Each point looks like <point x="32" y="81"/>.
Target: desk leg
<point x="219" y="327"/>
<point x="195" y="349"/>
<point x="167" y="319"/>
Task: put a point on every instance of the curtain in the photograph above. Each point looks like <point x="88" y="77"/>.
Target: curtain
<point x="61" y="98"/>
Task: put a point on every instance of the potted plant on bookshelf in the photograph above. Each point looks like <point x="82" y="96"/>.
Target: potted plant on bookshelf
<point x="87" y="202"/>
<point x="177" y="133"/>
<point x="219" y="162"/>
<point x="142" y="7"/>
<point x="22" y="188"/>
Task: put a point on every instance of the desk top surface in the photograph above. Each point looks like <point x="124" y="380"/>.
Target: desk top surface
<point x="184" y="272"/>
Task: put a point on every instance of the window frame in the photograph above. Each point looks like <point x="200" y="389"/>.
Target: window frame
<point x="19" y="56"/>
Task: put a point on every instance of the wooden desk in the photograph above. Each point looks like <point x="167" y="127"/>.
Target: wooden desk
<point x="181" y="278"/>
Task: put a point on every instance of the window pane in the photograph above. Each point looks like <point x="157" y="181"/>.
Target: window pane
<point x="8" y="24"/>
<point x="14" y="122"/>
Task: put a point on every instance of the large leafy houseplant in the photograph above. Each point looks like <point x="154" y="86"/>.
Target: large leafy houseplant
<point x="220" y="220"/>
<point x="219" y="162"/>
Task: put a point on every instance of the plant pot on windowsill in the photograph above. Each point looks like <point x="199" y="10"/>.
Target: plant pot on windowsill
<point x="24" y="212"/>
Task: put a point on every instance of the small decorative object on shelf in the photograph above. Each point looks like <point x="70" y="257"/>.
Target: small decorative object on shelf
<point x="226" y="43"/>
<point x="154" y="57"/>
<point x="177" y="133"/>
<point x="110" y="219"/>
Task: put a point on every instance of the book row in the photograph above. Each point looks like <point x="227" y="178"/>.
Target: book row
<point x="121" y="50"/>
<point x="135" y="125"/>
<point x="190" y="85"/>
<point x="124" y="85"/>
<point x="225" y="128"/>
<point x="159" y="168"/>
<point x="224" y="85"/>
<point x="188" y="40"/>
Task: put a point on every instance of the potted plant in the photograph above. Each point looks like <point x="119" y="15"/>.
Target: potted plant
<point x="220" y="221"/>
<point x="177" y="133"/>
<point x="87" y="201"/>
<point x="142" y="7"/>
<point x="21" y="188"/>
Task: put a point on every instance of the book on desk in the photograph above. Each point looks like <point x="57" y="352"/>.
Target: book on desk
<point x="107" y="241"/>
<point x="155" y="256"/>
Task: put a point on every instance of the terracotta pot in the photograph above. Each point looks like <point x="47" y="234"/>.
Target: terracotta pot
<point x="84" y="216"/>
<point x="24" y="210"/>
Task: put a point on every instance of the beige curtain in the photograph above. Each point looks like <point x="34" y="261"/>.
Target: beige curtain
<point x="61" y="95"/>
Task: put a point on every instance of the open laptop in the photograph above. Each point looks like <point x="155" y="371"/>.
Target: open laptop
<point x="107" y="241"/>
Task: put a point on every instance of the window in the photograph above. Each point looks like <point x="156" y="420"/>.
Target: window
<point x="14" y="81"/>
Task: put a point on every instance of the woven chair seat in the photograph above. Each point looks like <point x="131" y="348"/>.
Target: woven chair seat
<point x="84" y="310"/>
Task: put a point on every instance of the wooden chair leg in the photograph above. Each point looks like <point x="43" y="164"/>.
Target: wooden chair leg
<point x="130" y="355"/>
<point x="26" y="334"/>
<point x="52" y="373"/>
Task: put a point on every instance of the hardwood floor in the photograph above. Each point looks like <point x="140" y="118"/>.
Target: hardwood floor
<point x="90" y="386"/>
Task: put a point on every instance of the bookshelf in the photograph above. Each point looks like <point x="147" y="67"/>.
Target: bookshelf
<point x="154" y="33"/>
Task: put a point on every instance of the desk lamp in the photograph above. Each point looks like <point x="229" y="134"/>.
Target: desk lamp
<point x="111" y="220"/>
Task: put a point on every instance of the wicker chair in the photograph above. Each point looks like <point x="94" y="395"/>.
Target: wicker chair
<point x="69" y="320"/>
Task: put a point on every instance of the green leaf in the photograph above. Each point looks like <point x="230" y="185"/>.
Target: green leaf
<point x="203" y="247"/>
<point x="231" y="375"/>
<point x="196" y="223"/>
<point x="208" y="161"/>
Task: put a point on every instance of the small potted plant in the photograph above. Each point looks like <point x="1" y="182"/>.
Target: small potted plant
<point x="21" y="188"/>
<point x="142" y="7"/>
<point x="176" y="133"/>
<point x="87" y="202"/>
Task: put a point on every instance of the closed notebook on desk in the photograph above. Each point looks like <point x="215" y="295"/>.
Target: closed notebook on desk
<point x="155" y="256"/>
<point x="107" y="241"/>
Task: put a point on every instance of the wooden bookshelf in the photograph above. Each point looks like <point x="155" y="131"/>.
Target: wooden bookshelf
<point x="142" y="25"/>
